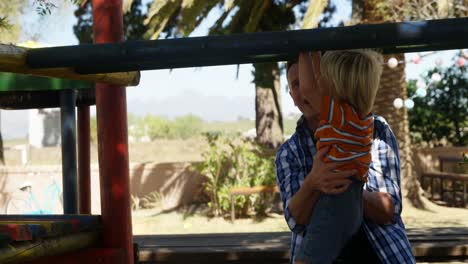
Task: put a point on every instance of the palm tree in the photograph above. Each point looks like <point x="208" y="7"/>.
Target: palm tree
<point x="9" y="33"/>
<point x="393" y="81"/>
<point x="180" y="17"/>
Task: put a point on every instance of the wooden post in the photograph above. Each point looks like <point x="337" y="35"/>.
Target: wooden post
<point x="68" y="127"/>
<point x="84" y="160"/>
<point x="111" y="109"/>
<point x="233" y="212"/>
<point x="432" y="187"/>
<point x="464" y="194"/>
<point x="454" y="192"/>
<point x="441" y="179"/>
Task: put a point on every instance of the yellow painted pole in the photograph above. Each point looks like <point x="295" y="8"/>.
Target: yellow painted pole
<point x="13" y="59"/>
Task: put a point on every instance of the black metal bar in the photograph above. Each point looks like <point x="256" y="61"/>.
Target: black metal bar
<point x="42" y="99"/>
<point x="69" y="170"/>
<point x="253" y="47"/>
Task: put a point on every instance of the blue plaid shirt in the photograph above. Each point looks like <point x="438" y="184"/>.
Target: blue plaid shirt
<point x="294" y="161"/>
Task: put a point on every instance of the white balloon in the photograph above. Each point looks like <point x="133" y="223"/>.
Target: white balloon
<point x="421" y="84"/>
<point x="465" y="53"/>
<point x="421" y="92"/>
<point x="436" y="77"/>
<point x="392" y="63"/>
<point x="409" y="103"/>
<point x="398" y="103"/>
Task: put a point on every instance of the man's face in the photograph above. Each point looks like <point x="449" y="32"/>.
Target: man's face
<point x="299" y="100"/>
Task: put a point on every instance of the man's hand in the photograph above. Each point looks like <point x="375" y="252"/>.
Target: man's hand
<point x="324" y="179"/>
<point x="321" y="179"/>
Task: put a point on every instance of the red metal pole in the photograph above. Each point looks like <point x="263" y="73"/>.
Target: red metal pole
<point x="111" y="109"/>
<point x="84" y="161"/>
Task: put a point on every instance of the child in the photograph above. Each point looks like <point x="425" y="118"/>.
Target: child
<point x="348" y="89"/>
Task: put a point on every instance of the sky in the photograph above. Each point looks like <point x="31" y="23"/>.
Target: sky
<point x="213" y="93"/>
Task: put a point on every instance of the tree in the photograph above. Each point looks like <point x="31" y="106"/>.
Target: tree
<point x="10" y="27"/>
<point x="134" y="27"/>
<point x="9" y="33"/>
<point x="393" y="84"/>
<point x="442" y="113"/>
<point x="178" y="18"/>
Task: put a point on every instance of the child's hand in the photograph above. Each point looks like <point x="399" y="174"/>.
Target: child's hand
<point x="319" y="81"/>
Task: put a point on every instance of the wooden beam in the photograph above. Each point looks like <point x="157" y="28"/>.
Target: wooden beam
<point x="26" y="251"/>
<point x="13" y="59"/>
<point x="91" y="255"/>
<point x="19" y="100"/>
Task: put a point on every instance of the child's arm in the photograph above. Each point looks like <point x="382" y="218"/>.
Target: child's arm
<point x="310" y="77"/>
<point x="378" y="207"/>
<point x="306" y="75"/>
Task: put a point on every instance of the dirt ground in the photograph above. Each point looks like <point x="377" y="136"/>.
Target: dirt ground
<point x="191" y="221"/>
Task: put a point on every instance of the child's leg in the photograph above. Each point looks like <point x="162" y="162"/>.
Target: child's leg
<point x="335" y="219"/>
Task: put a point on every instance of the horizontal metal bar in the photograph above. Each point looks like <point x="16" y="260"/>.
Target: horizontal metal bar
<point x="253" y="47"/>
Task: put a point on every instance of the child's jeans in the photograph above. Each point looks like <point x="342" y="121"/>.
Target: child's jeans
<point x="336" y="218"/>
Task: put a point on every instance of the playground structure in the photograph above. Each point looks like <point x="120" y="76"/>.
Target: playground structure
<point x="76" y="236"/>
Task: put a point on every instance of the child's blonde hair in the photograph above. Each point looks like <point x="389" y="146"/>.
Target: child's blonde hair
<point x="354" y="75"/>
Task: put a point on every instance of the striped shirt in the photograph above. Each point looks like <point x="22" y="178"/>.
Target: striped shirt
<point x="346" y="134"/>
<point x="294" y="161"/>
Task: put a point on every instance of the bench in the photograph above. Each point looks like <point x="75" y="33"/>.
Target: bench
<point x="443" y="176"/>
<point x="447" y="176"/>
<point x="449" y="159"/>
<point x="248" y="191"/>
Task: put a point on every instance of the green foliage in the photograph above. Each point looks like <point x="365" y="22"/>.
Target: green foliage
<point x="135" y="202"/>
<point x="4" y="23"/>
<point x="161" y="128"/>
<point x="151" y="200"/>
<point x="45" y="7"/>
<point x="10" y="12"/>
<point x="443" y="112"/>
<point x="413" y="10"/>
<point x="230" y="163"/>
<point x="134" y="27"/>
<point x="93" y="129"/>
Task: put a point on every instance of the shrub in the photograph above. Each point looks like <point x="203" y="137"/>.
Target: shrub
<point x="234" y="162"/>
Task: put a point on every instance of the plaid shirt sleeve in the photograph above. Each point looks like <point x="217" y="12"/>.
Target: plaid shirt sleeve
<point x="389" y="241"/>
<point x="385" y="166"/>
<point x="288" y="172"/>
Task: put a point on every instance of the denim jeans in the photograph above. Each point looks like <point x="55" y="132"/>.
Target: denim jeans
<point x="336" y="218"/>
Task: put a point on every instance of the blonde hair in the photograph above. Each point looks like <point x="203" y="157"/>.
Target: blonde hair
<point x="354" y="75"/>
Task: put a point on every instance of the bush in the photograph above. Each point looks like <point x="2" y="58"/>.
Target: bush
<point x="442" y="114"/>
<point x="234" y="162"/>
<point x="161" y="128"/>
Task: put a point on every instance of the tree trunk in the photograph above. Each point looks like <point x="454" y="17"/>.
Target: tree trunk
<point x="268" y="118"/>
<point x="392" y="86"/>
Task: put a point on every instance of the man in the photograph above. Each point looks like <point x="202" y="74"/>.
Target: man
<point x="302" y="177"/>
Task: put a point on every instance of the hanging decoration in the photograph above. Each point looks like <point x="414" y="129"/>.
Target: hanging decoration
<point x="421" y="85"/>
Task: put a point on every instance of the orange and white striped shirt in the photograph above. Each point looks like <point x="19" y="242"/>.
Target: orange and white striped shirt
<point x="347" y="134"/>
